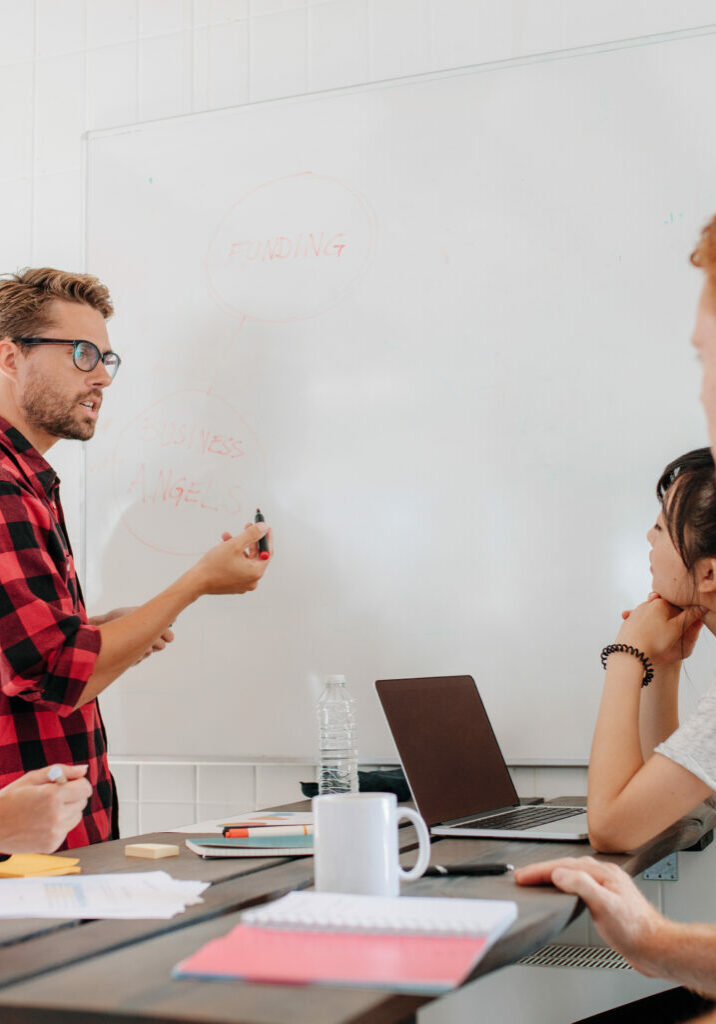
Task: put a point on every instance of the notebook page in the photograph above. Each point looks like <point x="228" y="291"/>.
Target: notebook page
<point x="384" y="914"/>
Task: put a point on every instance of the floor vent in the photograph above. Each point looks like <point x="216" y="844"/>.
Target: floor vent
<point x="597" y="957"/>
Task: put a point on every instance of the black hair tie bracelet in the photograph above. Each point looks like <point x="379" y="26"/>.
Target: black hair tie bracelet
<point x="628" y="649"/>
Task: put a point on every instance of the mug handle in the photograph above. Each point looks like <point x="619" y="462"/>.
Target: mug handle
<point x="423" y="845"/>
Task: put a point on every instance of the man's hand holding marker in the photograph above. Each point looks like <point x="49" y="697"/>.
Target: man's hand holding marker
<point x="236" y="565"/>
<point x="231" y="567"/>
<point x="264" y="553"/>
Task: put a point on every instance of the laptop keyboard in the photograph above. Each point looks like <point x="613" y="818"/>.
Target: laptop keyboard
<point x="524" y="817"/>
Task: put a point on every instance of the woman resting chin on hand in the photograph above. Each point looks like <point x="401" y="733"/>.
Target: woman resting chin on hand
<point x="645" y="771"/>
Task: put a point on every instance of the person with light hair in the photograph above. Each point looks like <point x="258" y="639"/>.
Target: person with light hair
<point x="56" y="365"/>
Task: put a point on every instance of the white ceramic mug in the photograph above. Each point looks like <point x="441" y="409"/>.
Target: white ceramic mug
<point x="356" y="843"/>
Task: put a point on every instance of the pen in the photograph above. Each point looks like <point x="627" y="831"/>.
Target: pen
<point x="438" y="870"/>
<point x="263" y="542"/>
<point x="238" y="832"/>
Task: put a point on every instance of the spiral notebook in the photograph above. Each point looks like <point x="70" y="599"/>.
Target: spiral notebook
<point x="252" y="846"/>
<point x="410" y="944"/>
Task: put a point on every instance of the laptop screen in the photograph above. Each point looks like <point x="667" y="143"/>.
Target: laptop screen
<point x="449" y="752"/>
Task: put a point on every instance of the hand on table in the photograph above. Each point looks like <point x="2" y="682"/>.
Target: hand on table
<point x="622" y="916"/>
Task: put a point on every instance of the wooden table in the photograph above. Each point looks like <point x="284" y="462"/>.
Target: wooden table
<point x="118" y="972"/>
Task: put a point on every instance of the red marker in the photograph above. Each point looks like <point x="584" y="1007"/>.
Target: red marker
<point x="264" y="553"/>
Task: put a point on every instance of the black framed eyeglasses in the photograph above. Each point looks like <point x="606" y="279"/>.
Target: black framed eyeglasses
<point x="85" y="354"/>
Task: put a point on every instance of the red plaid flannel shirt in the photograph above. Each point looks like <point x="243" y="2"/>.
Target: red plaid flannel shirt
<point x="47" y="648"/>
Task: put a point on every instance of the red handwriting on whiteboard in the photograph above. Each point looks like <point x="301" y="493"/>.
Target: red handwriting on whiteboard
<point x="304" y="246"/>
<point x="190" y="437"/>
<point x="153" y="486"/>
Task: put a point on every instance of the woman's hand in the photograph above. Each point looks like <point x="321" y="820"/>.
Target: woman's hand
<point x="682" y="648"/>
<point x="660" y="629"/>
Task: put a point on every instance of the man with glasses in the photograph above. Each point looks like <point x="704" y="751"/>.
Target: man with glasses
<point x="55" y="365"/>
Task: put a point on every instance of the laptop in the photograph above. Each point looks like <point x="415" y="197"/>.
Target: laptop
<point x="455" y="769"/>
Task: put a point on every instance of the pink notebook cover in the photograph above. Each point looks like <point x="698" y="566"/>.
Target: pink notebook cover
<point x="412" y="963"/>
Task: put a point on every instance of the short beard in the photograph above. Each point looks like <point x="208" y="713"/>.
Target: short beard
<point x="45" y="409"/>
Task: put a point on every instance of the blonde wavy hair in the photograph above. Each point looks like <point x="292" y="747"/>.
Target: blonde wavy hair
<point x="27" y="296"/>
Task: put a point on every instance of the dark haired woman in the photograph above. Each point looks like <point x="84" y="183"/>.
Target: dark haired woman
<point x="646" y="771"/>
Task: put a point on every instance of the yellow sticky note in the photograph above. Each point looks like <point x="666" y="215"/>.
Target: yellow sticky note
<point x="29" y="865"/>
<point x="152" y="851"/>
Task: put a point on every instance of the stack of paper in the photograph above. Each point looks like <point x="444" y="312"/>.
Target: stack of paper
<point x="252" y="846"/>
<point x="276" y="820"/>
<point x="421" y="945"/>
<point x="151" y="894"/>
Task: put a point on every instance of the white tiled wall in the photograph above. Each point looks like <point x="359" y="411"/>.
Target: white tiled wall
<point x="154" y="796"/>
<point x="549" y="781"/>
<point x="162" y="795"/>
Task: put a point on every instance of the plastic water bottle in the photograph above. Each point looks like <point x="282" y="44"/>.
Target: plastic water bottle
<point x="338" y="772"/>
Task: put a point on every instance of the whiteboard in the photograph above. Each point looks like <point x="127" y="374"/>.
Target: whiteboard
<point x="438" y="330"/>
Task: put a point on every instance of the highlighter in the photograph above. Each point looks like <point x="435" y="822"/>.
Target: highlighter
<point x="264" y="553"/>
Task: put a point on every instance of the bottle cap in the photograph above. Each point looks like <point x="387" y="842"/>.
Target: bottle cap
<point x="335" y="679"/>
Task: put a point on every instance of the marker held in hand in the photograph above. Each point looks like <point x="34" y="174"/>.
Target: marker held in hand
<point x="263" y="545"/>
